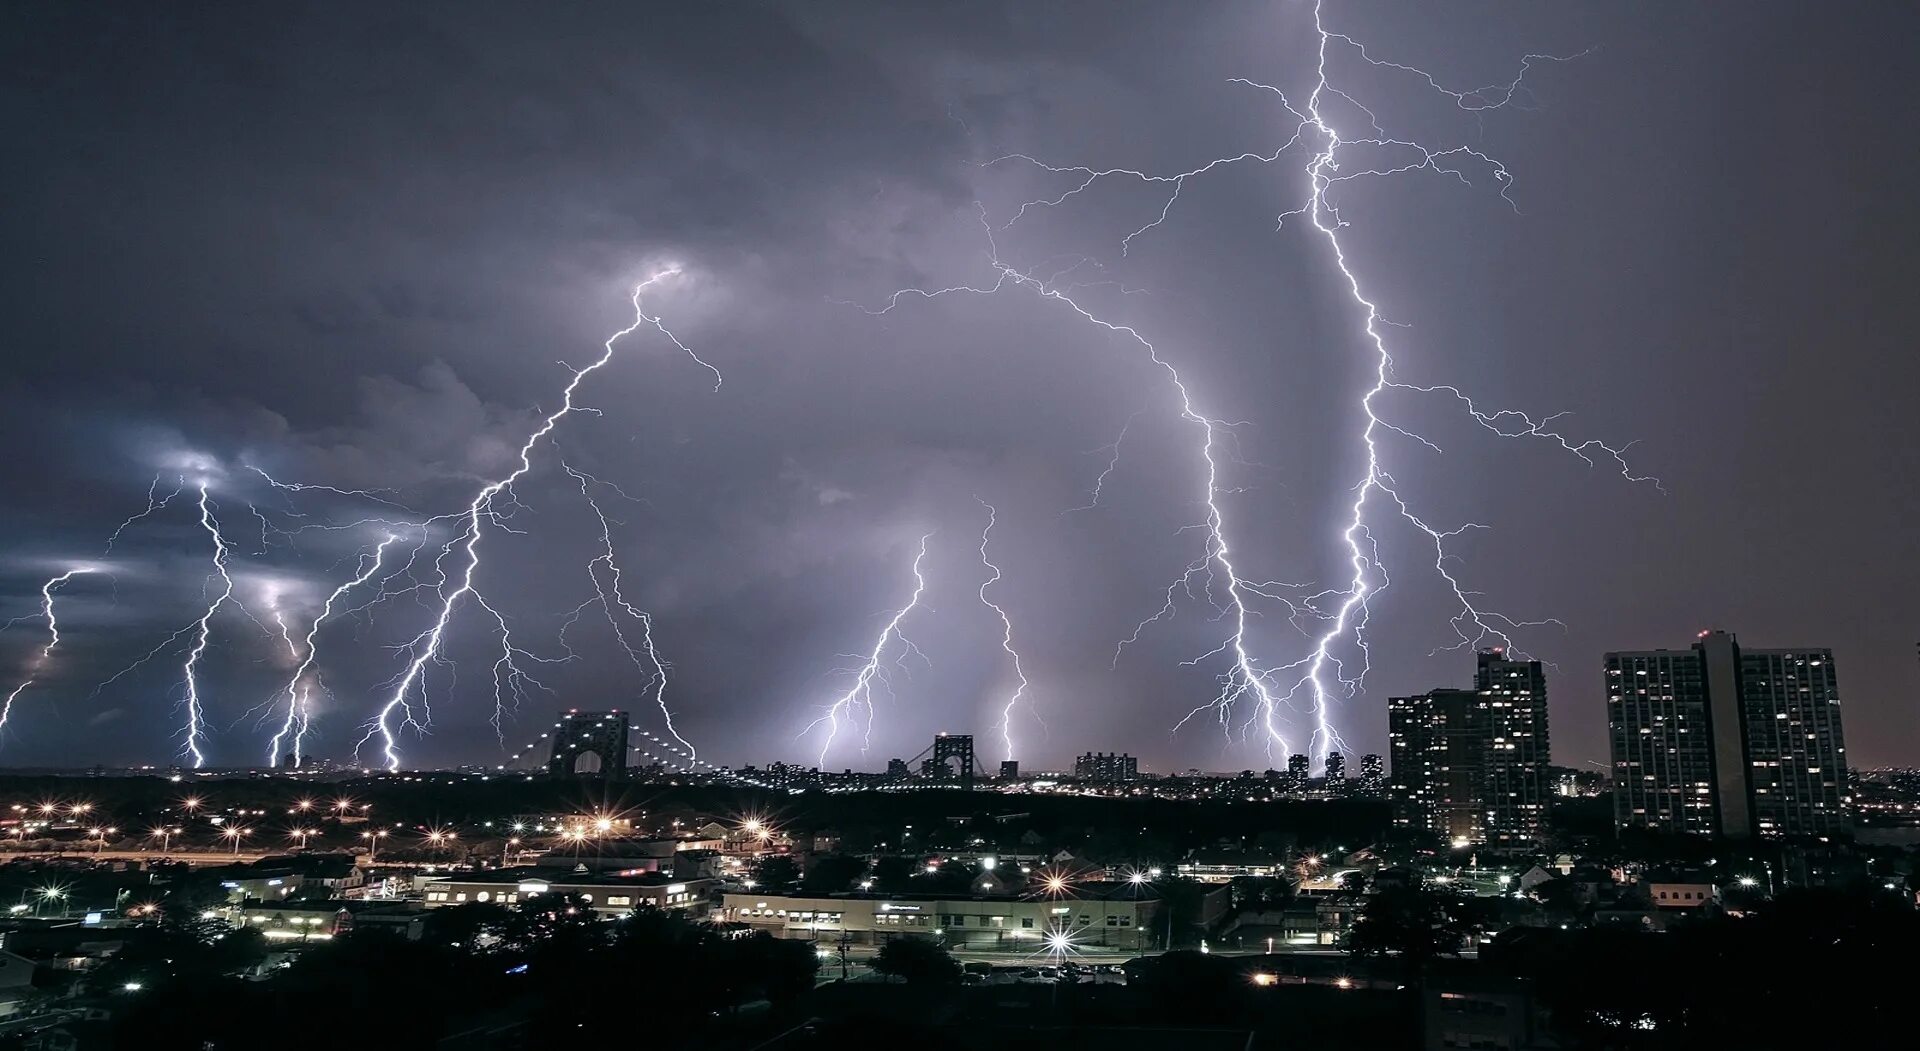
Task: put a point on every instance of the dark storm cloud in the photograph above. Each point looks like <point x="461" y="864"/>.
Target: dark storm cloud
<point x="349" y="244"/>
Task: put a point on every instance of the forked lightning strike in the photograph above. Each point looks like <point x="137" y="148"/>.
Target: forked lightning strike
<point x="1244" y="675"/>
<point x="646" y="659"/>
<point x="425" y="647"/>
<point x="202" y="631"/>
<point x="860" y="694"/>
<point x="1006" y="633"/>
<point x="306" y="677"/>
<point x="39" y="661"/>
<point x="1321" y="674"/>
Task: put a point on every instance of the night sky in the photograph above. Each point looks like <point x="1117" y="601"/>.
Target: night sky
<point x="359" y="246"/>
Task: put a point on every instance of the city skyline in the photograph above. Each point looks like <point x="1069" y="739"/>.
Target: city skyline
<point x="1055" y="392"/>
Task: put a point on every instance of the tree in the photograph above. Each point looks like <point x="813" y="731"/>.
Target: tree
<point x="893" y="872"/>
<point x="462" y="926"/>
<point x="830" y="873"/>
<point x="776" y="871"/>
<point x="917" y="961"/>
<point x="1414" y="923"/>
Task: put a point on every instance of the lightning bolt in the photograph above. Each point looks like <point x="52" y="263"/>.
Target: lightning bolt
<point x="53" y="639"/>
<point x="1244" y="675"/>
<point x="860" y="694"/>
<point x="646" y="658"/>
<point x="1331" y="158"/>
<point x="457" y="585"/>
<point x="1112" y="449"/>
<point x="155" y="502"/>
<point x="299" y="686"/>
<point x="202" y="629"/>
<point x="1006" y="631"/>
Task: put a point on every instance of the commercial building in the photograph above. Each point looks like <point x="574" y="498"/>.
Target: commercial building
<point x="1336" y="769"/>
<point x="1106" y="766"/>
<point x="608" y="894"/>
<point x="321" y="920"/>
<point x="589" y="744"/>
<point x="1115" y="915"/>
<point x="1718" y="739"/>
<point x="1471" y="765"/>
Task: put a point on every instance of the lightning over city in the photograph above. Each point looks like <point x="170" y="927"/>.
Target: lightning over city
<point x="813" y="394"/>
<point x="1305" y="524"/>
<point x="402" y="710"/>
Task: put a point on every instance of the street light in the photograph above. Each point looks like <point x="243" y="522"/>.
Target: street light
<point x="164" y="835"/>
<point x="373" y="843"/>
<point x="299" y="836"/>
<point x="235" y="833"/>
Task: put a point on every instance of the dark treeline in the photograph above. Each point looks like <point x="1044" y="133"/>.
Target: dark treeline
<point x="537" y="975"/>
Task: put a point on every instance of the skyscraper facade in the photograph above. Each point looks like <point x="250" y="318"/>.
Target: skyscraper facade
<point x="1718" y="739"/>
<point x="1373" y="777"/>
<point x="1106" y="766"/>
<point x="1470" y="766"/>
<point x="1518" y="786"/>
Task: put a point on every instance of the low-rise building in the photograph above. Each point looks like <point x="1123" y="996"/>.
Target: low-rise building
<point x="609" y="894"/>
<point x="303" y="921"/>
<point x="1682" y="893"/>
<point x="1114" y="915"/>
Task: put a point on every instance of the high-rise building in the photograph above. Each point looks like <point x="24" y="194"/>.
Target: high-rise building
<point x="897" y="770"/>
<point x="589" y="744"/>
<point x="1373" y="778"/>
<point x="1717" y="739"/>
<point x="1336" y="767"/>
<point x="1106" y="766"/>
<point x="1009" y="769"/>
<point x="1518" y="785"/>
<point x="1471" y="765"/>
<point x="1438" y="741"/>
<point x="1298" y="766"/>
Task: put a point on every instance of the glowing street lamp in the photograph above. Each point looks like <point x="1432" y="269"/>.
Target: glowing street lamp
<point x="373" y="843"/>
<point x="192" y="804"/>
<point x="236" y="834"/>
<point x="165" y="835"/>
<point x="300" y="836"/>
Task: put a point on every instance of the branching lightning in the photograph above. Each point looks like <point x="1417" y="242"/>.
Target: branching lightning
<point x="40" y="659"/>
<point x="859" y="697"/>
<point x="1313" y="681"/>
<point x="1245" y="675"/>
<point x="452" y="587"/>
<point x="1006" y="631"/>
<point x="645" y="658"/>
<point x="306" y="677"/>
<point x="202" y="631"/>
